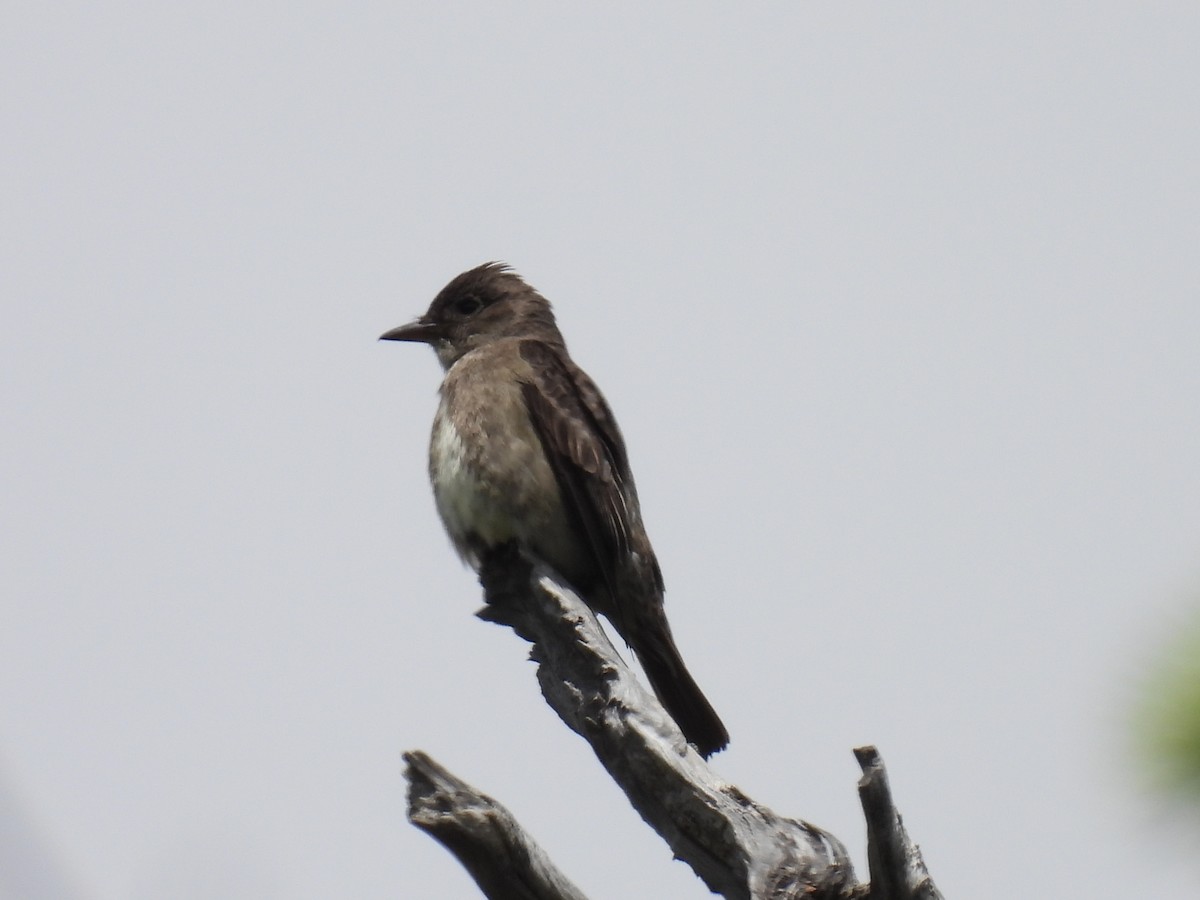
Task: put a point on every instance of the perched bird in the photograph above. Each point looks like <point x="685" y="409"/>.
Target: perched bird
<point x="525" y="449"/>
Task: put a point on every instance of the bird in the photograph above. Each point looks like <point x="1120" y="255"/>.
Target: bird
<point x="525" y="450"/>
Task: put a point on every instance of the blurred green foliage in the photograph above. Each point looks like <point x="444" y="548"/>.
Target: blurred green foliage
<point x="1167" y="717"/>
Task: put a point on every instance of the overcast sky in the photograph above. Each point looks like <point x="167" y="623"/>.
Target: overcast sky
<point x="896" y="305"/>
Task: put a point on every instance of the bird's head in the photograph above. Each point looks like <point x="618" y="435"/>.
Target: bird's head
<point x="488" y="303"/>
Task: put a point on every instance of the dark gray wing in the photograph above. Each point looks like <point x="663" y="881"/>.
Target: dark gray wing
<point x="586" y="452"/>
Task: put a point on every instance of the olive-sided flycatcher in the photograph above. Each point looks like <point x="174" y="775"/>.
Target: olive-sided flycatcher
<point x="526" y="450"/>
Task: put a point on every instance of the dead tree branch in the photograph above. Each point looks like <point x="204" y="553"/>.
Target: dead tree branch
<point x="738" y="847"/>
<point x="504" y="861"/>
<point x="897" y="870"/>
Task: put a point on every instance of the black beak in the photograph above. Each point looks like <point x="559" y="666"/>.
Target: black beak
<point x="422" y="330"/>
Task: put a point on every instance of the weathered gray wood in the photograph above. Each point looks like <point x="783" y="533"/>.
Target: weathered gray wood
<point x="504" y="861"/>
<point x="897" y="870"/>
<point x="738" y="847"/>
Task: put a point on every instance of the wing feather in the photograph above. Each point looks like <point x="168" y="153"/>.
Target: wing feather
<point x="583" y="443"/>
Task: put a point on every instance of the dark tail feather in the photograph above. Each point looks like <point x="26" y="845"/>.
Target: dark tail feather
<point x="677" y="691"/>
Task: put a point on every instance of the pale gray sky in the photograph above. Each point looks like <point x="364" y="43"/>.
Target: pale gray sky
<point x="914" y="287"/>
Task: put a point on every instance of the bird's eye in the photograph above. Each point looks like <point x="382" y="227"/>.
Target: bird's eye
<point x="468" y="305"/>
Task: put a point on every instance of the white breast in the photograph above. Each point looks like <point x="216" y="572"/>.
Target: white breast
<point x="468" y="505"/>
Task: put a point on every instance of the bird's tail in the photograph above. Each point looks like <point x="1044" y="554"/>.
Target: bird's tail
<point x="677" y="691"/>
